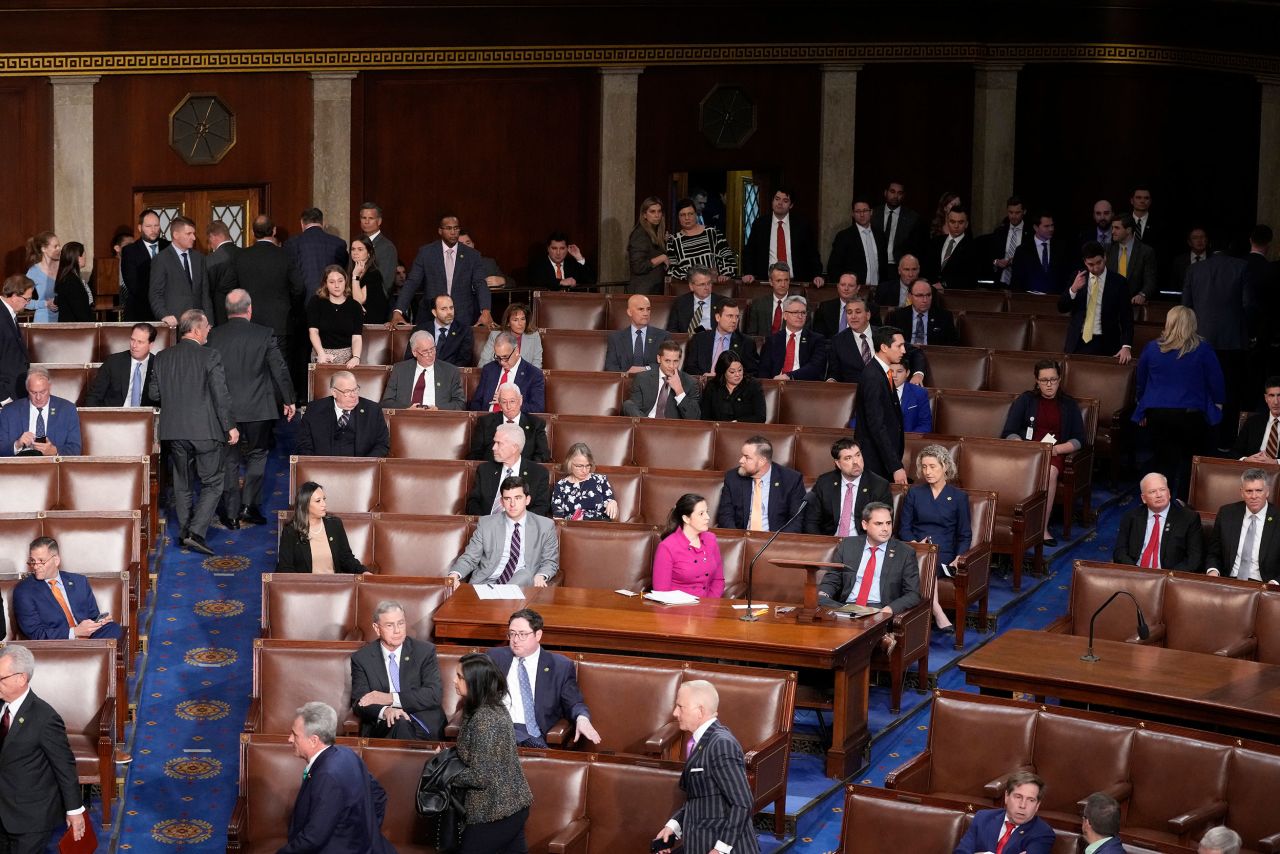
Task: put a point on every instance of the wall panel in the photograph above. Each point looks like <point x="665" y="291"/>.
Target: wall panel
<point x="26" y="178"/>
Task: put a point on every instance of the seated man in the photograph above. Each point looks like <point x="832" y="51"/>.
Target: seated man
<point x="1015" y="829"/>
<point x="510" y="411"/>
<point x="705" y="347"/>
<point x="917" y="417"/>
<point x="1239" y="546"/>
<point x="667" y="392"/>
<point x="506" y="461"/>
<point x="508" y="367"/>
<point x="1100" y="824"/>
<point x="395" y="681"/>
<point x="548" y="684"/>
<point x="41" y="425"/>
<point x="424" y="382"/>
<point x="563" y="265"/>
<point x="511" y="547"/>
<point x="793" y="352"/>
<point x="52" y="605"/>
<point x="758" y="495"/>
<point x="634" y="347"/>
<point x="764" y="315"/>
<point x="852" y="348"/>
<point x="692" y="312"/>
<point x="351" y="427"/>
<point x="922" y="321"/>
<point x="454" y="342"/>
<point x="1219" y="840"/>
<point x="1162" y="534"/>
<point x="1259" y="439"/>
<point x="840" y="495"/>
<point x="879" y="571"/>
<point x="122" y="379"/>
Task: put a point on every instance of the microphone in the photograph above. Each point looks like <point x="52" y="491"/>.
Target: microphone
<point x="747" y="616"/>
<point x="1143" y="631"/>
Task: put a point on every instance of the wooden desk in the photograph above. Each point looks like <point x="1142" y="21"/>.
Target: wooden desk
<point x="1210" y="689"/>
<point x="603" y="620"/>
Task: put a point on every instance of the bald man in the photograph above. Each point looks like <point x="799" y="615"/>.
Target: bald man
<point x="634" y="348"/>
<point x="1179" y="541"/>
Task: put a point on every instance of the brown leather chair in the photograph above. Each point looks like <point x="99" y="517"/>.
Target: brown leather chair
<point x="1230" y="633"/>
<point x="629" y="548"/>
<point x="574" y="349"/>
<point x="1058" y="755"/>
<point x="1215" y="482"/>
<point x="1179" y="788"/>
<point x="631" y="699"/>
<point x="400" y="343"/>
<point x="435" y="487"/>
<point x="372" y="380"/>
<point x="556" y="310"/>
<point x="1014" y="370"/>
<point x="771" y="391"/>
<point x="901" y="823"/>
<point x="359" y="528"/>
<point x="1253" y="778"/>
<point x="17" y="530"/>
<point x="109" y="483"/>
<point x="559" y="815"/>
<point x="110" y="593"/>
<point x="649" y="790"/>
<point x="626" y="483"/>
<point x="429" y="434"/>
<point x="731" y="436"/>
<point x="996" y="330"/>
<point x="350" y="485"/>
<point x="734" y="556"/>
<point x="70" y="381"/>
<point x="1076" y="477"/>
<point x="584" y="392"/>
<point x="302" y="606"/>
<point x="1144" y="334"/>
<point x="64" y="343"/>
<point x="812" y="455"/>
<point x="1093" y="582"/>
<point x="289" y="673"/>
<point x="1152" y="312"/>
<point x="28" y="484"/>
<point x="420" y="597"/>
<point x="817" y="404"/>
<point x="970" y="413"/>
<point x="971" y="570"/>
<point x="376" y="346"/>
<point x="1018" y="473"/>
<point x="775" y="583"/>
<point x="1048" y="332"/>
<point x="412" y="545"/>
<point x="118" y="431"/>
<point x="114" y="338"/>
<point x="961" y="300"/>
<point x="609" y="438"/>
<point x="1112" y="384"/>
<point x="616" y="313"/>
<point x="269" y="782"/>
<point x="660" y="489"/>
<point x="1267" y="627"/>
<point x="957" y="367"/>
<point x="668" y="443"/>
<point x="911" y="629"/>
<point x="397" y="765"/>
<point x="1037" y="304"/>
<point x="105" y="542"/>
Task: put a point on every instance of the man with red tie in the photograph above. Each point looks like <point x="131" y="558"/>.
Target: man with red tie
<point x="1014" y="829"/>
<point x="1162" y="534"/>
<point x="508" y="367"/>
<point x="764" y="316"/>
<point x="879" y="571"/>
<point x="779" y="236"/>
<point x="794" y="352"/>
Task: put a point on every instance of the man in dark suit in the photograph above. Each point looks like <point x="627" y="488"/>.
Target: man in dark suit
<point x="692" y="312"/>
<point x="764" y="315"/>
<point x="781" y="236"/>
<point x="218" y="262"/>
<point x="510" y="404"/>
<point x="39" y="789"/>
<point x="313" y="249"/>
<point x="1197" y="250"/>
<point x="196" y="423"/>
<point x="1162" y="533"/>
<point x="135" y="267"/>
<point x="270" y="277"/>
<point x="704" y="348"/>
<point x="179" y="279"/>
<point x="260" y="392"/>
<point x="1003" y="243"/>
<point x="922" y="323"/>
<point x="49" y="604"/>
<point x="340" y="806"/>
<point x="347" y="426"/>
<point x="829" y="318"/>
<point x="953" y="258"/>
<point x="504" y="462"/>
<point x="852" y="349"/>
<point x="1017" y="825"/>
<point x="1154" y="235"/>
<point x="40" y="424"/>
<point x="395" y="681"/>
<point x="1101" y="321"/>
<point x="667" y="392"/>
<point x="508" y="367"/>
<point x="854" y="249"/>
<point x="122" y="379"/>
<point x="634" y="347"/>
<point x="897" y="230"/>
<point x="445" y="267"/>
<point x="383" y="249"/>
<point x="895" y="292"/>
<point x="15" y="293"/>
<point x="1042" y="264"/>
<point x="793" y="352"/>
<point x="454" y="341"/>
<point x="840" y="495"/>
<point x="759" y="495"/>
<point x="1218" y="291"/>
<point x="879" y="428"/>
<point x="1133" y="259"/>
<point x="873" y="555"/>
<point x="562" y="266"/>
<point x="1244" y="543"/>
<point x="718" y="805"/>
<point x="1100" y="231"/>
<point x="424" y="382"/>
<point x="1100" y="824"/>
<point x="1259" y="439"/>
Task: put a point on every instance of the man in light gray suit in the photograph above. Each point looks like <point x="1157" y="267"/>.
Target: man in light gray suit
<point x="634" y="348"/>
<point x="179" y="278"/>
<point x="511" y="547"/>
<point x="424" y="382"/>
<point x="1139" y="260"/>
<point x="667" y="392"/>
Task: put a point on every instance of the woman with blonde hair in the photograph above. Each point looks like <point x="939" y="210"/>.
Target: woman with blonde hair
<point x="647" y="249"/>
<point x="934" y="511"/>
<point x="1180" y="395"/>
<point x="43" y="252"/>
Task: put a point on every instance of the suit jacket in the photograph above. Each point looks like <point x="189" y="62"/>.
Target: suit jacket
<point x="536" y="448"/>
<point x="812" y="349"/>
<point x="718" y="803"/>
<point x="879" y="428"/>
<point x="962" y="270"/>
<point x="844" y="356"/>
<point x="420" y="690"/>
<point x="135" y="268"/>
<point x="530" y="380"/>
<point x="295" y="553"/>
<point x="111" y="384"/>
<point x="1249" y="439"/>
<point x="316" y="433"/>
<point x="339" y="808"/>
<point x="1181" y="538"/>
<point x="899" y="575"/>
<point x="489" y="478"/>
<point x="38" y="781"/>
<point x="906" y="235"/>
<point x="171" y="292"/>
<point x="1117" y="316"/>
<point x="1034" y="837"/>
<point x="458" y="346"/>
<point x="272" y="279"/>
<point x="1113" y="845"/>
<point x="399" y="390"/>
<point x="890" y="294"/>
<point x="822" y="516"/>
<point x="38" y="613"/>
<point x="470" y="292"/>
<point x="13" y="358"/>
<point x="621" y="344"/>
<point x="997" y="243"/>
<point x="1224" y="542"/>
<point x="786" y="491"/>
<point x="1141" y="268"/>
<point x="759" y="319"/>
<point x="644" y="396"/>
<point x="74" y="302"/>
<point x="683" y="308"/>
<point x="698" y="352"/>
<point x="826" y="316"/>
<point x="940" y="325"/>
<point x="61" y="426"/>
<point x="556" y="696"/>
<point x="1178" y="267"/>
<point x="189" y="381"/>
<point x="542" y="273"/>
<point x="1029" y="273"/>
<point x="388" y="258"/>
<point x="539" y="547"/>
<point x="802" y="253"/>
<point x="310" y="251"/>
<point x="256" y="374"/>
<point x="219" y="264"/>
<point x="917" y="417"/>
<point x="848" y="255"/>
<point x="1216" y="290"/>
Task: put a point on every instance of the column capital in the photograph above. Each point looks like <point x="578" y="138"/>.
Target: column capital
<point x="333" y="75"/>
<point x="842" y="67"/>
<point x="76" y="80"/>
<point x="621" y="70"/>
<point x="1269" y="83"/>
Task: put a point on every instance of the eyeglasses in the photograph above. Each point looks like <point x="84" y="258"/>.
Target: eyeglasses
<point x="499" y="357"/>
<point x="355" y="390"/>
<point x="1049" y="380"/>
<point x="796" y="311"/>
<point x="10" y="676"/>
<point x="34" y="562"/>
<point x="519" y="635"/>
<point x="580" y="465"/>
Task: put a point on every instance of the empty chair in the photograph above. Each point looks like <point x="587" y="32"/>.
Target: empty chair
<point x="609" y="438"/>
<point x="67" y="343"/>
<point x="350" y="485"/>
<point x="629" y="549"/>
<point x="590" y="392"/>
<point x="555" y="310"/>
<point x="671" y="444"/>
<point x="815" y="404"/>
<point x="958" y="367"/>
<point x="428" y="434"/>
<point x="376" y="347"/>
<point x="574" y="349"/>
<point x="414" y="545"/>
<point x="433" y="487"/>
<point x="661" y="488"/>
<point x="997" y="330"/>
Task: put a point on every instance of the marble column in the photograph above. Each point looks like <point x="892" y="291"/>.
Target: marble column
<point x="1269" y="152"/>
<point x="619" y="89"/>
<point x="331" y="147"/>
<point x="835" y="151"/>
<point x="995" y="114"/>
<point x="73" y="159"/>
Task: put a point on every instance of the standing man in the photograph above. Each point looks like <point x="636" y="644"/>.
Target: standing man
<point x="634" y="347"/>
<point x="260" y="392"/>
<point x="196" y="423"/>
<point x="1197" y="250"/>
<point x="840" y="495"/>
<point x="1218" y="291"/>
<point x="1133" y="260"/>
<point x="779" y="236"/>
<point x="122" y="379"/>
<point x="221" y="250"/>
<point x="879" y="429"/>
<point x="423" y="382"/>
<point x="1100" y="233"/>
<point x="563" y="265"/>
<point x="1040" y="265"/>
<point x="1101" y="322"/>
<point x="764" y="315"/>
<point x="49" y="604"/>
<point x="445" y="267"/>
<point x="718" y="806"/>
<point x="879" y="571"/>
<point x="509" y="547"/>
<point x="1100" y="824"/>
<point x="692" y="312"/>
<point x="1243" y="544"/>
<point x="135" y="267"/>
<point x="759" y="495"/>
<point x="506" y="462"/>
<point x="383" y="249"/>
<point x="1005" y="241"/>
<point x="313" y="249"/>
<point x="1162" y="533"/>
<point x="854" y="249"/>
<point x="704" y="348"/>
<point x="510" y="411"/>
<point x="922" y="322"/>
<point x="179" y="278"/>
<point x="665" y="393"/>
<point x="39" y="789"/>
<point x="1015" y="829"/>
<point x="353" y="426"/>
<point x="896" y="229"/>
<point x="395" y="681"/>
<point x="15" y="293"/>
<point x="953" y="259"/>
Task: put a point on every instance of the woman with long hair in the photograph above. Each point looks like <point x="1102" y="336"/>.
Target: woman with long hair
<point x="647" y="249"/>
<point x="71" y="291"/>
<point x="367" y="287"/>
<point x="335" y="321"/>
<point x="43" y="251"/>
<point x="515" y="319"/>
<point x="313" y="541"/>
<point x="688" y="557"/>
<point x="732" y="394"/>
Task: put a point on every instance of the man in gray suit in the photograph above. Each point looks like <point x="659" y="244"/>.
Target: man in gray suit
<point x="383" y="249"/>
<point x="634" y="348"/>
<point x="511" y="547"/>
<point x="665" y="393"/>
<point x="196" y="423"/>
<point x="424" y="382"/>
<point x="179" y="278"/>
<point x="258" y="382"/>
<point x="866" y="558"/>
<point x="221" y="250"/>
<point x="1133" y="259"/>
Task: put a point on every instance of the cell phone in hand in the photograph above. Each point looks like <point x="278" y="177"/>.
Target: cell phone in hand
<point x="41" y="440"/>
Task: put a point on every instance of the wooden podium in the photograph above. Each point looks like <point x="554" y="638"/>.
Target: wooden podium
<point x="809" y="613"/>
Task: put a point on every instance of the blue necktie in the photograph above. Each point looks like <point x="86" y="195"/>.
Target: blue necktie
<point x="393" y="667"/>
<point x="135" y="396"/>
<point x="40" y="431"/>
<point x="1044" y="256"/>
<point x="637" y="352"/>
<point x="526" y="699"/>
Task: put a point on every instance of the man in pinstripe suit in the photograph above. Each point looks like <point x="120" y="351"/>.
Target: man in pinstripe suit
<point x="716" y="815"/>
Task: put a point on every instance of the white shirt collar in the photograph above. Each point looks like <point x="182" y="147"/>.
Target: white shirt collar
<point x="16" y="705"/>
<point x="312" y="760"/>
<point x="702" y="729"/>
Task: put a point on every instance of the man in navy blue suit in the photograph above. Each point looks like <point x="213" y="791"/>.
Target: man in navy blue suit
<point x="454" y="341"/>
<point x="52" y="605"/>
<point x="1100" y="824"/>
<point x="508" y="367"/>
<point x="340" y="806"/>
<point x="759" y="495"/>
<point x="548" y="688"/>
<point x="40" y="425"/>
<point x="313" y="249"/>
<point x="1014" y="829"/>
<point x="446" y="267"/>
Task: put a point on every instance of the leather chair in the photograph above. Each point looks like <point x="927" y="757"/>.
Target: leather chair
<point x="1048" y="332"/>
<point x="731" y="436"/>
<point x="996" y="330"/>
<point x="413" y="545"/>
<point x="115" y="430"/>
<point x="957" y="367"/>
<point x="911" y="629"/>
<point x="556" y="310"/>
<point x="110" y="592"/>
<point x="289" y="673"/>
<point x="1093" y="582"/>
<point x="1059" y="755"/>
<point x="65" y="343"/>
<point x="306" y="607"/>
<point x="1253" y="778"/>
<point x="109" y="483"/>
<point x="1152" y="312"/>
<point x="876" y="821"/>
<point x="17" y="530"/>
<point x="626" y="483"/>
<point x="435" y="487"/>
<point x="1105" y="380"/>
<point x="574" y="349"/>
<point x="734" y="556"/>
<point x="584" y="392"/>
<point x="71" y="381"/>
<point x="100" y="543"/>
<point x="650" y="792"/>
<point x="1179" y="788"/>
<point x="631" y="698"/>
<point x="671" y="444"/>
<point x="812" y="455"/>
<point x="28" y="484"/>
<point x="1144" y="334"/>
<point x="970" y="413"/>
<point x="376" y="346"/>
<point x="774" y="583"/>
<point x="971" y="570"/>
<point x="1230" y="633"/>
<point x="608" y="438"/>
<point x="114" y="338"/>
<point x="1215" y="482"/>
<point x="660" y="489"/>
<point x="372" y="380"/>
<point x="350" y="485"/>
<point x="428" y="434"/>
<point x="397" y="765"/>
<point x="1076" y="477"/>
<point x="817" y="404"/>
<point x="616" y="313"/>
<point x="558" y="818"/>
<point x="1018" y="473"/>
<point x="1036" y="304"/>
<point x="629" y="549"/>
<point x="420" y="597"/>
<point x="400" y="343"/>
<point x="1266" y="627"/>
<point x="771" y="390"/>
<point x="962" y="300"/>
<point x="1014" y="370"/>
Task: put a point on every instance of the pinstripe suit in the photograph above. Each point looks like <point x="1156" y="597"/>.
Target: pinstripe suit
<point x="718" y="802"/>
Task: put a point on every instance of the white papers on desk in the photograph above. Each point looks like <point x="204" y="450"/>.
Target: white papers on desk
<point x="498" y="591"/>
<point x="671" y="597"/>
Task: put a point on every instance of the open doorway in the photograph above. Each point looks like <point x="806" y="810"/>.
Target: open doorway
<point x="733" y="199"/>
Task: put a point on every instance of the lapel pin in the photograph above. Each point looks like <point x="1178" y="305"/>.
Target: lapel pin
<point x="948" y="497"/>
<point x="890" y="554"/>
<point x="546" y="670"/>
<point x="22" y="720"/>
<point x="777" y="483"/>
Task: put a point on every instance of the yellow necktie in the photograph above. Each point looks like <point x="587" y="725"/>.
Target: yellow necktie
<point x="1091" y="311"/>
<point x="1124" y="261"/>
<point x="756" y="522"/>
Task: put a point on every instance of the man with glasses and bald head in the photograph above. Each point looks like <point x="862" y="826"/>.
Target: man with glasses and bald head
<point x="350" y="426"/>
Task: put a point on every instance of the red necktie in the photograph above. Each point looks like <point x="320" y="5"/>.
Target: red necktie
<point x="782" y="243"/>
<point x="864" y="591"/>
<point x="419" y="389"/>
<point x="1004" y="837"/>
<point x="791" y="352"/>
<point x="501" y="383"/>
<point x="777" y="316"/>
<point x="559" y="271"/>
<point x="1151" y="554"/>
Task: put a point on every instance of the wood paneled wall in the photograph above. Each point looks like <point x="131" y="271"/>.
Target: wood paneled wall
<point x="26" y="177"/>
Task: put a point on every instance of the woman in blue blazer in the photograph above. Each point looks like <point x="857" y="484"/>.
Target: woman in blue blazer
<point x="937" y="512"/>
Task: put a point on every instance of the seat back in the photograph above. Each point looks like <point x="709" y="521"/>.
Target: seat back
<point x="28" y="484"/>
<point x="574" y="349"/>
<point x="660" y="489"/>
<point x="901" y="823"/>
<point x="1253" y="778"/>
<point x="1077" y="773"/>
<point x="958" y="367"/>
<point x="372" y="380"/>
<point x="730" y="438"/>
<point x="269" y="783"/>
<point x="429" y="434"/>
<point x="816" y="404"/>
<point x="375" y="347"/>
<point x="559" y="786"/>
<point x="616" y="314"/>
<point x="96" y="543"/>
<point x="117" y="430"/>
<point x="626" y="483"/>
<point x="627" y="800"/>
<point x="1012" y="470"/>
<point x="420" y="597"/>
<point x="970" y="413"/>
<point x="63" y="342"/>
<point x="608" y="438"/>
<point x="556" y="310"/>
<point x="17" y="530"/>
<point x="103" y="483"/>
<point x="779" y="584"/>
<point x="350" y="485"/>
<point x="963" y="764"/>
<point x="966" y="301"/>
<point x="289" y="673"/>
<point x="1106" y="381"/>
<point x="1048" y="332"/>
<point x="114" y="338"/>
<point x="1173" y="775"/>
<point x="668" y="443"/>
<point x="308" y="607"/>
<point x="1034" y="304"/>
<point x="76" y="677"/>
<point x="110" y="594"/>
<point x="756" y="703"/>
<point x="584" y="392"/>
<point x="1216" y="482"/>
<point x="997" y="330"/>
<point x="1188" y="600"/>
<point x="71" y="381"/>
<point x="916" y="442"/>
<point x="634" y="695"/>
<point x="1014" y="370"/>
<point x="1091" y="585"/>
<point x="1266" y="625"/>
<point x="424" y="487"/>
<point x="812" y="454"/>
<point x="398" y="767"/>
<point x="771" y="391"/>
<point x="629" y="549"/>
<point x="408" y="544"/>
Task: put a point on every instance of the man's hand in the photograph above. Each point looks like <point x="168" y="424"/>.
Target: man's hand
<point x="393" y="716"/>
<point x="170" y="321"/>
<point x="377" y="698"/>
<point x="76" y="823"/>
<point x="290" y="410"/>
<point x="1078" y="282"/>
<point x="1212" y="572"/>
<point x="722" y="278"/>
<point x="454" y="581"/>
<point x="576" y="253"/>
<point x="397" y="320"/>
<point x="1002" y="263"/>
<point x="485" y="319"/>
<point x="637" y="369"/>
<point x="26" y="440"/>
<point x="539" y="581"/>
<point x="1260" y="457"/>
<point x="1125" y="356"/>
<point x="47" y="448"/>
<point x="748" y="279"/>
<point x="818" y="281"/>
<point x="665" y="835"/>
<point x="568" y="282"/>
<point x="900" y="476"/>
<point x="1139" y="299"/>
<point x="677" y="387"/>
<point x="86" y="628"/>
<point x="586" y="729"/>
<point x="233" y="436"/>
<point x="887" y="610"/>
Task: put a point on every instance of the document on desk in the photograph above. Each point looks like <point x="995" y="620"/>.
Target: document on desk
<point x="671" y="597"/>
<point x="498" y="591"/>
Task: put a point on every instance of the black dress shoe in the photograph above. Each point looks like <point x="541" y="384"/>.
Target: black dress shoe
<point x="1050" y="543"/>
<point x="253" y="516"/>
<point x="945" y="630"/>
<point x="196" y="543"/>
<point x="228" y="523"/>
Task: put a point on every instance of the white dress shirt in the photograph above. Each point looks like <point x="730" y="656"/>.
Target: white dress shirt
<point x="514" y="701"/>
<point x="873" y="254"/>
<point x="428" y="387"/>
<point x="773" y="239"/>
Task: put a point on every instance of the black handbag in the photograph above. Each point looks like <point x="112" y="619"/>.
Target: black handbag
<point x="439" y="799"/>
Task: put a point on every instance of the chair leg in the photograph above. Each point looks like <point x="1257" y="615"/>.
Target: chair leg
<point x="1086" y="504"/>
<point x="780" y="815"/>
<point x="922" y="673"/>
<point x="895" y="685"/>
<point x="1018" y="550"/>
<point x="1067" y="491"/>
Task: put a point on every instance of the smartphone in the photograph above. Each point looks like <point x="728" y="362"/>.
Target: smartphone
<point x="42" y="440"/>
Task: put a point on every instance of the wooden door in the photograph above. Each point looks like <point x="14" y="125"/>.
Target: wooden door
<point x="235" y="206"/>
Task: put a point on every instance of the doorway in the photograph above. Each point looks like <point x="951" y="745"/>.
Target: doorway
<point x="733" y="199"/>
<point x="237" y="207"/>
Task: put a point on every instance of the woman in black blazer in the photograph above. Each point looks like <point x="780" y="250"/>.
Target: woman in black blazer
<point x="74" y="299"/>
<point x="731" y="395"/>
<point x="314" y="541"/>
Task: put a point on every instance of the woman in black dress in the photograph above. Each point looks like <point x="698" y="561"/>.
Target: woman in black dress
<point x="732" y="395"/>
<point x="314" y="541"/>
<point x="71" y="294"/>
<point x="367" y="287"/>
<point x="335" y="321"/>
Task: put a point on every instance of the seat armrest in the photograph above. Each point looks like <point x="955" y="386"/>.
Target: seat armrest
<point x="1243" y="648"/>
<point x="572" y="839"/>
<point x="995" y="788"/>
<point x="352" y="635"/>
<point x="1031" y="511"/>
<point x="913" y="776"/>
<point x="1193" y="821"/>
<point x="254" y="715"/>
<point x="558" y="734"/>
<point x="453" y="726"/>
<point x="350" y="725"/>
<point x="657" y="744"/>
<point x="1270" y="844"/>
<point x="107" y="719"/>
<point x="1119" y="791"/>
<point x="237" y="825"/>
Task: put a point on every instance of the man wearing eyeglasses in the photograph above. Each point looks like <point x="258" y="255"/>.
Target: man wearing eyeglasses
<point x="793" y="352"/>
<point x="53" y="605"/>
<point x="542" y="689"/>
<point x="508" y="367"/>
<point x="395" y="681"/>
<point x="352" y="426"/>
